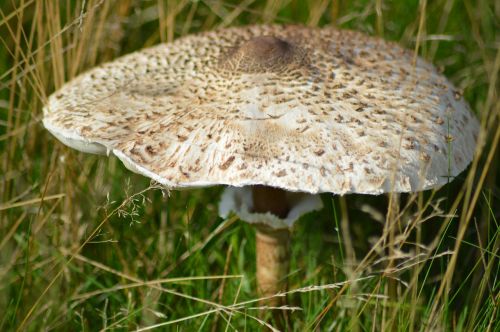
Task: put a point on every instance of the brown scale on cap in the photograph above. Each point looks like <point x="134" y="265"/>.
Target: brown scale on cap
<point x="298" y="108"/>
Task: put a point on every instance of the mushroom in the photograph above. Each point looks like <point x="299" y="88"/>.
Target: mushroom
<point x="278" y="114"/>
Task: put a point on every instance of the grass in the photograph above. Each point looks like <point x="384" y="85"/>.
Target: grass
<point x="86" y="245"/>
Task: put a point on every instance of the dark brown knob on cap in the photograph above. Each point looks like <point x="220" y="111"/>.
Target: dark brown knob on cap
<point x="262" y="48"/>
<point x="261" y="54"/>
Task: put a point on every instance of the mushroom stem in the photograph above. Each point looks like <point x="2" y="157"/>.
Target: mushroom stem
<point x="272" y="245"/>
<point x="273" y="261"/>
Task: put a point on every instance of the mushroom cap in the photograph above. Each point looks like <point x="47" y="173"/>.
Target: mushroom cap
<point x="299" y="108"/>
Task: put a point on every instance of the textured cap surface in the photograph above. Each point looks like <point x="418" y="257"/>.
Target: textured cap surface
<point x="303" y="109"/>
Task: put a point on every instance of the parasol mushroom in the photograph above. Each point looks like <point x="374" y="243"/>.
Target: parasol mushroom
<point x="278" y="114"/>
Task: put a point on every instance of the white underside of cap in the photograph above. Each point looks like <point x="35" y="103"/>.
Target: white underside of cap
<point x="75" y="141"/>
<point x="239" y="201"/>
